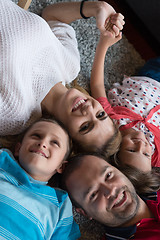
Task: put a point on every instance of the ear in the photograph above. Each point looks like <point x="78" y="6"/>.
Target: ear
<point x="62" y="167"/>
<point x="17" y="148"/>
<point x="82" y="212"/>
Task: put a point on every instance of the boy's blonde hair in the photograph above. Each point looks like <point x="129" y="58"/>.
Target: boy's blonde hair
<point x="10" y="141"/>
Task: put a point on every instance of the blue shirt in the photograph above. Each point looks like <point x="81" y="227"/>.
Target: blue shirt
<point x="31" y="210"/>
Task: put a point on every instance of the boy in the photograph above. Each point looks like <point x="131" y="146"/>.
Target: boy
<point x="29" y="208"/>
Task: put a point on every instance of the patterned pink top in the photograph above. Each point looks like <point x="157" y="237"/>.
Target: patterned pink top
<point x="136" y="104"/>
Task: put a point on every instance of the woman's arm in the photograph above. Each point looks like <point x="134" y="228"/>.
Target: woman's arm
<point x="105" y="41"/>
<point x="70" y="11"/>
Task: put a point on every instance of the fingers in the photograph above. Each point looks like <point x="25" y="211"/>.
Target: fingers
<point x="118" y="20"/>
<point x="115" y="24"/>
<point x="116" y="30"/>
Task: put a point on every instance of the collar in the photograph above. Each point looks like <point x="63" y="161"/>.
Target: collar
<point x="124" y="233"/>
<point x="121" y="233"/>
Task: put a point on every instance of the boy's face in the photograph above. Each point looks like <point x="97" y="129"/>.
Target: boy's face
<point x="42" y="150"/>
<point x="103" y="192"/>
<point x="135" y="150"/>
<point x="85" y="118"/>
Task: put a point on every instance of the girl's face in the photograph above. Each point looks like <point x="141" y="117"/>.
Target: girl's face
<point x="135" y="150"/>
<point x="85" y="118"/>
<point x="42" y="150"/>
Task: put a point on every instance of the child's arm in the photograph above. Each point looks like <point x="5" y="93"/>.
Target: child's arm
<point x="105" y="41"/>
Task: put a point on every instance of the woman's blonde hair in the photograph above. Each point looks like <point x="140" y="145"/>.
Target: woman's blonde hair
<point x="74" y="84"/>
<point x="107" y="149"/>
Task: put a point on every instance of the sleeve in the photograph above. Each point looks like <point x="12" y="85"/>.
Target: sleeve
<point x="67" y="37"/>
<point x="64" y="32"/>
<point x="66" y="227"/>
<point x="104" y="102"/>
<point x="106" y="106"/>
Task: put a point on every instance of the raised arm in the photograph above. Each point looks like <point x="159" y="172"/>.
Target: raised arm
<point x="115" y="24"/>
<point x="70" y="11"/>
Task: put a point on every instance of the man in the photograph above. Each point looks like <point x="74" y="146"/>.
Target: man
<point x="100" y="191"/>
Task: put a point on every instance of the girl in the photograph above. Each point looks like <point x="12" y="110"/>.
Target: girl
<point x="134" y="150"/>
<point x="134" y="104"/>
<point x="38" y="58"/>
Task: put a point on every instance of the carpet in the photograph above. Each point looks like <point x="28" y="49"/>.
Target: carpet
<point x="121" y="59"/>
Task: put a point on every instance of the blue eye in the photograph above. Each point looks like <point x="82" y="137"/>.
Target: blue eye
<point x="55" y="142"/>
<point x="36" y="135"/>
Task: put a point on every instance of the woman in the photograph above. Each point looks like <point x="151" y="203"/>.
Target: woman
<point x="37" y="59"/>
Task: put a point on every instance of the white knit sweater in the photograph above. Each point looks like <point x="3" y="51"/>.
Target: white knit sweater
<point x="34" y="56"/>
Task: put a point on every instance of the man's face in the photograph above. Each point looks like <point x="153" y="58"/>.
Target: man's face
<point x="103" y="192"/>
<point x="84" y="118"/>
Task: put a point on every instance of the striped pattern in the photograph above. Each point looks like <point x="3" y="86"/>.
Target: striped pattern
<point x="30" y="209"/>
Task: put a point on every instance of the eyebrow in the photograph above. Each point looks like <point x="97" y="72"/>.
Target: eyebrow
<point x="40" y="132"/>
<point x="90" y="129"/>
<point x="92" y="187"/>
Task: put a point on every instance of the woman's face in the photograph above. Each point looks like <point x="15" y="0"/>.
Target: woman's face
<point x="135" y="150"/>
<point x="84" y="117"/>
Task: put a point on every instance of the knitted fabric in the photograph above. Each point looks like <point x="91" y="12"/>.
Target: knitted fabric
<point x="35" y="55"/>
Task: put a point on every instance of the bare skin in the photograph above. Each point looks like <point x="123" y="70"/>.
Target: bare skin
<point x="135" y="150"/>
<point x="105" y="194"/>
<point x="42" y="150"/>
<point x="89" y="121"/>
<point x="82" y="115"/>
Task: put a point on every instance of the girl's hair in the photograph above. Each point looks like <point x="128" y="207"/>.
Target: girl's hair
<point x="144" y="182"/>
<point x="10" y="141"/>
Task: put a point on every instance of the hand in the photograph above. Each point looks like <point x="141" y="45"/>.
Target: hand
<point x="108" y="40"/>
<point x="114" y="25"/>
<point x="104" y="11"/>
<point x="112" y="33"/>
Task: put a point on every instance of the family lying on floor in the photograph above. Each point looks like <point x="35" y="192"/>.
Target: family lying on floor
<point x="105" y="148"/>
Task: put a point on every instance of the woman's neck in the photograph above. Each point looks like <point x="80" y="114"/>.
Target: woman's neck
<point x="52" y="98"/>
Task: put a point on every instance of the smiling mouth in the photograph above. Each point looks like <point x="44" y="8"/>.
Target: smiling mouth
<point x="41" y="153"/>
<point x="120" y="201"/>
<point x="78" y="104"/>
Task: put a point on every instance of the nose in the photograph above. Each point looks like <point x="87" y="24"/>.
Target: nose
<point x="140" y="145"/>
<point x="108" y="190"/>
<point x="140" y="134"/>
<point x="89" y="111"/>
<point x="42" y="143"/>
<point x="86" y="109"/>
